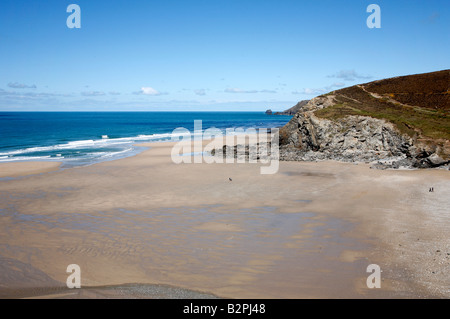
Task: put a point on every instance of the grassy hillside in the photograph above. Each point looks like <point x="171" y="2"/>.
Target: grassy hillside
<point x="415" y="104"/>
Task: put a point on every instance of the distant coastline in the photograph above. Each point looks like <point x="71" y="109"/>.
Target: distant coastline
<point x="290" y="111"/>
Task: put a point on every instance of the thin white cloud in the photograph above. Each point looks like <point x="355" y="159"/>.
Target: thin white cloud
<point x="268" y="91"/>
<point x="349" y="75"/>
<point x="114" y="93"/>
<point x="309" y="91"/>
<point x="200" y="92"/>
<point x="16" y="85"/>
<point x="93" y="93"/>
<point x="237" y="90"/>
<point x="149" y="91"/>
<point x="318" y="91"/>
<point x="11" y="99"/>
<point x="30" y="95"/>
<point x="334" y="85"/>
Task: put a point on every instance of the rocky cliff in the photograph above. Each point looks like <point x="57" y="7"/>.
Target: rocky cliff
<point x="403" y="121"/>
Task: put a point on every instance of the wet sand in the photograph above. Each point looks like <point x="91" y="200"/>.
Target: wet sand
<point x="27" y="168"/>
<point x="309" y="231"/>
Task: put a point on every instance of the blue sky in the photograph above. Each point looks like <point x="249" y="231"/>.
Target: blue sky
<point x="210" y="55"/>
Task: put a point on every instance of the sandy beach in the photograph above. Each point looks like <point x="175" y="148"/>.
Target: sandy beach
<point x="309" y="231"/>
<point x="17" y="169"/>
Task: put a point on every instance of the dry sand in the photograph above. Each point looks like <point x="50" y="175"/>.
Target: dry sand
<point x="309" y="231"/>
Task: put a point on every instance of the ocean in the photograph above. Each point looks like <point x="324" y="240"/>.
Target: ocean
<point x="84" y="138"/>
